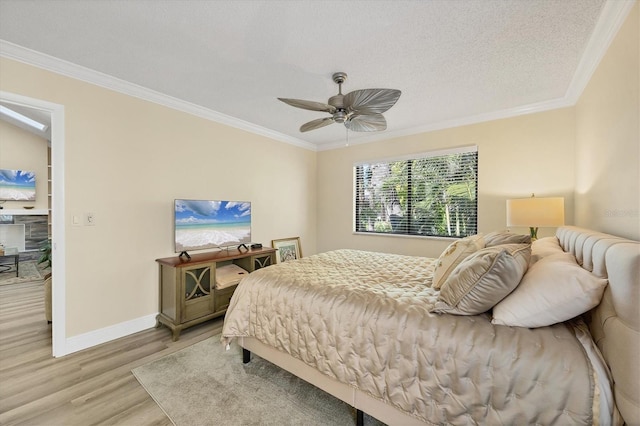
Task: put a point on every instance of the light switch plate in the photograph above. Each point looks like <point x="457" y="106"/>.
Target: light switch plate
<point x="89" y="219"/>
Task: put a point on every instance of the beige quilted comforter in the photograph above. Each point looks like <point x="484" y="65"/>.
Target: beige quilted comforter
<point x="363" y="318"/>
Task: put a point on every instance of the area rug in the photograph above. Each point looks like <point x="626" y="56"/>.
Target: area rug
<point x="206" y="385"/>
<point x="27" y="271"/>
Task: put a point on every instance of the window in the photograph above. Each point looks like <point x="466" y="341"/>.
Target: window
<point x="433" y="194"/>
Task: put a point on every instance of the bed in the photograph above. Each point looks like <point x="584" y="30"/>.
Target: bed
<point x="399" y="338"/>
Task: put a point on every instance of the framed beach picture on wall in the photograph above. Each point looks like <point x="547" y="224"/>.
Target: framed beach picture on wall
<point x="17" y="185"/>
<point x="287" y="249"/>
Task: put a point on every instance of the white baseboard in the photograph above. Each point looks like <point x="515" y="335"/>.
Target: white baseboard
<point x="103" y="335"/>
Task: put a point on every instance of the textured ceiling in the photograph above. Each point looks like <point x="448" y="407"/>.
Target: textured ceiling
<point x="452" y="60"/>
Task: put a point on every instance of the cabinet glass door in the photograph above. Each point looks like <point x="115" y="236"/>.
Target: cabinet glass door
<point x="261" y="262"/>
<point x="197" y="282"/>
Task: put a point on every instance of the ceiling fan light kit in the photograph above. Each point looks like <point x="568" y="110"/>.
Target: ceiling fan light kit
<point x="359" y="111"/>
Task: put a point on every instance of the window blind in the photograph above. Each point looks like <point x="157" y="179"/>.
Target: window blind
<point x="432" y="194"/>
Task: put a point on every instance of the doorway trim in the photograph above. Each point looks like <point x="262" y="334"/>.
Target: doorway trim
<point x="58" y="284"/>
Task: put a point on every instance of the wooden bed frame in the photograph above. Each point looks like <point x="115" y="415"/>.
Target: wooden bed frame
<point x="614" y="325"/>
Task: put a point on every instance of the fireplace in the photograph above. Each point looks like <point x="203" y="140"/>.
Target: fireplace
<point x="13" y="236"/>
<point x="26" y="230"/>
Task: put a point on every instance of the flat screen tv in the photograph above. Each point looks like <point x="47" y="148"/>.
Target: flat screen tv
<point x="17" y="185"/>
<point x="207" y="224"/>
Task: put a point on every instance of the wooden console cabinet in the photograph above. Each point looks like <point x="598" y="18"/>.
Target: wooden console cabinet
<point x="187" y="286"/>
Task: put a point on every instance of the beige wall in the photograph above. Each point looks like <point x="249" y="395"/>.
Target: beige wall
<point x="22" y="150"/>
<point x="126" y="160"/>
<point x="517" y="156"/>
<point x="608" y="139"/>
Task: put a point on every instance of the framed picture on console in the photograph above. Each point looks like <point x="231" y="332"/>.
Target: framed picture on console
<point x="287" y="249"/>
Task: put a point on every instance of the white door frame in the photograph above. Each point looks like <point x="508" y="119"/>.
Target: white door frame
<point x="58" y="285"/>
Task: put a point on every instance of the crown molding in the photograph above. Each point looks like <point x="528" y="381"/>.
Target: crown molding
<point x="31" y="57"/>
<point x="456" y="122"/>
<point x="613" y="15"/>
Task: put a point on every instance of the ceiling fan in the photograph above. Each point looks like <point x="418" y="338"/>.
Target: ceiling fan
<point x="360" y="110"/>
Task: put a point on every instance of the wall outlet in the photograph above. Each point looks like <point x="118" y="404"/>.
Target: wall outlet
<point x="89" y="219"/>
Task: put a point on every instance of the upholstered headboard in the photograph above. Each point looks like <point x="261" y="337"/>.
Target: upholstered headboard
<point x="615" y="322"/>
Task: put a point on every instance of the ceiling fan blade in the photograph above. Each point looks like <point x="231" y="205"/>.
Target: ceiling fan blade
<point x="371" y="101"/>
<point x="316" y="124"/>
<point x="310" y="105"/>
<point x="366" y="123"/>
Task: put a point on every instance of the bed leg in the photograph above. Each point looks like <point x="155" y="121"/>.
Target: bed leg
<point x="246" y="356"/>
<point x="359" y="418"/>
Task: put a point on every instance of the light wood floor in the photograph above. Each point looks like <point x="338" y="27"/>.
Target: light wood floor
<point x="91" y="387"/>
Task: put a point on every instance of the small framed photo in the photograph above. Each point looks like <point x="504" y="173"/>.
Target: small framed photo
<point x="287" y="249"/>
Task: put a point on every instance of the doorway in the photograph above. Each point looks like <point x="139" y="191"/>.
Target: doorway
<point x="56" y="112"/>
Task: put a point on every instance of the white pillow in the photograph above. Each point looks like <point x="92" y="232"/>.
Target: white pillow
<point x="453" y="255"/>
<point x="553" y="290"/>
<point x="544" y="247"/>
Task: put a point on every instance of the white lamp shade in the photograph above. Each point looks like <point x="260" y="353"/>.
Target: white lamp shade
<point x="536" y="212"/>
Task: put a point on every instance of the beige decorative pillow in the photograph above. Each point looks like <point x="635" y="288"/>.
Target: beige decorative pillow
<point x="453" y="255"/>
<point x="498" y="238"/>
<point x="553" y="290"/>
<point x="483" y="279"/>
<point x="544" y="247"/>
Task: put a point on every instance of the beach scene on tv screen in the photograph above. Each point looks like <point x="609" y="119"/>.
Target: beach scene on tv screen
<point x="203" y="224"/>
<point x="17" y="185"/>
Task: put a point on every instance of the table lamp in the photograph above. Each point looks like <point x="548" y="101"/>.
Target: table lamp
<point x="535" y="212"/>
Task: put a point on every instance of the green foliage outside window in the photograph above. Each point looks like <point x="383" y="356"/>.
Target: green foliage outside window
<point x="430" y="196"/>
